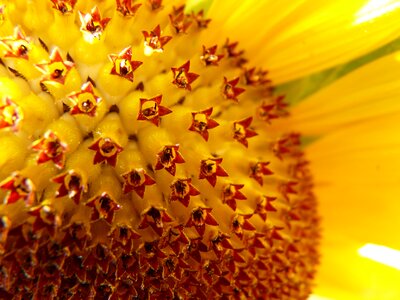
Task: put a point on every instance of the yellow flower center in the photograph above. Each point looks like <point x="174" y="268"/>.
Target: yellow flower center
<point x="139" y="160"/>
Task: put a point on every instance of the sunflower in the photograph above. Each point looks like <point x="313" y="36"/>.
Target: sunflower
<point x="148" y="150"/>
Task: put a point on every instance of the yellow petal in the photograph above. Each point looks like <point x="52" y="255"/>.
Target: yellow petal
<point x="356" y="171"/>
<point x="371" y="91"/>
<point x="296" y="38"/>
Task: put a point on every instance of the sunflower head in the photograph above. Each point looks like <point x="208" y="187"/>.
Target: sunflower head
<point x="139" y="160"/>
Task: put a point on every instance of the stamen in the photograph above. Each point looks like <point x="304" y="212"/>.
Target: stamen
<point x="168" y="158"/>
<point x="136" y="180"/>
<point x="179" y="20"/>
<point x="92" y="25"/>
<point x="230" y="91"/>
<point x="106" y="151"/>
<point x="255" y="77"/>
<point x="209" y="57"/>
<point x="231" y="193"/>
<point x="17" y="46"/>
<point x="151" y="110"/>
<point x="103" y="207"/>
<point x="154" y="42"/>
<point x="210" y="169"/>
<point x="86" y="101"/>
<point x="241" y="222"/>
<point x="127" y="8"/>
<point x="155" y="218"/>
<point x="202" y="122"/>
<point x="155" y="4"/>
<point x="182" y="190"/>
<point x="201" y="217"/>
<point x="57" y="69"/>
<point x="50" y="147"/>
<point x="18" y="187"/>
<point x="241" y="131"/>
<point x="259" y="169"/>
<point x="10" y="115"/>
<point x="71" y="184"/>
<point x="123" y="65"/>
<point x="200" y="20"/>
<point x="64" y="6"/>
<point x="182" y="77"/>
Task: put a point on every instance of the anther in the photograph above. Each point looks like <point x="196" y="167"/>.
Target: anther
<point x="92" y="25"/>
<point x="210" y="169"/>
<point x="10" y="115"/>
<point x="136" y="180"/>
<point x="18" y="187"/>
<point x="182" y="77"/>
<point x="154" y="42"/>
<point x="182" y="190"/>
<point x="241" y="131"/>
<point x="106" y="151"/>
<point x="210" y="57"/>
<point x="123" y="65"/>
<point x="127" y="8"/>
<point x="50" y="147"/>
<point x="151" y="110"/>
<point x="168" y="158"/>
<point x="56" y="70"/>
<point x="231" y="193"/>
<point x="202" y="122"/>
<point x="17" y="46"/>
<point x="258" y="170"/>
<point x="71" y="184"/>
<point x="64" y="6"/>
<point x="103" y="207"/>
<point x="86" y="101"/>
<point x="229" y="89"/>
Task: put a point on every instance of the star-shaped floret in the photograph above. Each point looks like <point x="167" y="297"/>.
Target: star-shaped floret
<point x="200" y="20"/>
<point x="136" y="180"/>
<point x="255" y="77"/>
<point x="182" y="190"/>
<point x="182" y="77"/>
<point x="106" y="151"/>
<point x="241" y="222"/>
<point x="229" y="89"/>
<point x="155" y="218"/>
<point x="72" y="184"/>
<point x="168" y="158"/>
<point x="210" y="56"/>
<point x="50" y="147"/>
<point x="154" y="42"/>
<point x="103" y="207"/>
<point x="17" y="46"/>
<point x="45" y="217"/>
<point x="64" y="6"/>
<point x="10" y="114"/>
<point x="123" y="65"/>
<point x="86" y="100"/>
<point x="258" y="170"/>
<point x="210" y="169"/>
<point x="201" y="217"/>
<point x="231" y="193"/>
<point x="155" y="4"/>
<point x="264" y="206"/>
<point x="231" y="49"/>
<point x="151" y="110"/>
<point x="202" y="122"/>
<point x="18" y="187"/>
<point x="241" y="131"/>
<point x="92" y="25"/>
<point x="179" y="20"/>
<point x="127" y="8"/>
<point x="57" y="69"/>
